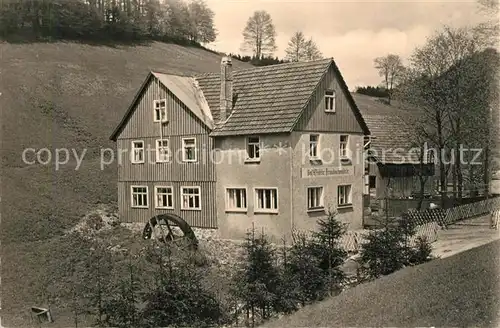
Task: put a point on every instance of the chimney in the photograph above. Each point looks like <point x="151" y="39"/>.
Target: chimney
<point x="226" y="88"/>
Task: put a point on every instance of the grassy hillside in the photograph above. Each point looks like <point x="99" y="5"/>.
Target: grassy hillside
<point x="69" y="95"/>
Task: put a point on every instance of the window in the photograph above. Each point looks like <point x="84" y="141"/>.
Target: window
<point x="266" y="200"/>
<point x="372" y="181"/>
<point x="344" y="195"/>
<point x="164" y="197"/>
<point x="330" y="101"/>
<point x="160" y="110"/>
<point x="189" y="150"/>
<point x="313" y="145"/>
<point x="253" y="148"/>
<point x="190" y="198"/>
<point x="162" y="151"/>
<point x="236" y="199"/>
<point x="137" y="152"/>
<point x="139" y="196"/>
<point x="344" y="139"/>
<point x="315" y="198"/>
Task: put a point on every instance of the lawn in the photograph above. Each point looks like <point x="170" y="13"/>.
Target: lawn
<point x="458" y="291"/>
<point x="69" y="95"/>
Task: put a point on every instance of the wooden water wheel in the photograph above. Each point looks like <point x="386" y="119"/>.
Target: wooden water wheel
<point x="170" y="229"/>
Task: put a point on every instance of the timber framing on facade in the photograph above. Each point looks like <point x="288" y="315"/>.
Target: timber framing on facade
<point x="275" y="147"/>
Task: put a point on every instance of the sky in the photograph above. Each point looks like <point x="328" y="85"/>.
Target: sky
<point x="352" y="32"/>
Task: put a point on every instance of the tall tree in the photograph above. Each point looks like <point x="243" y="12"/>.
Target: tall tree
<point x="440" y="122"/>
<point x="202" y="22"/>
<point x="296" y="47"/>
<point x="391" y="69"/>
<point x="259" y="35"/>
<point x="312" y="52"/>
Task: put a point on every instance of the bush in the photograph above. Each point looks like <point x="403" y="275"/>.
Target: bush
<point x="421" y="252"/>
<point x="388" y="250"/>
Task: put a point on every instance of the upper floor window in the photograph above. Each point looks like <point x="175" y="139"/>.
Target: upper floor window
<point x="313" y="145"/>
<point x="160" y="113"/>
<point x="330" y="101"/>
<point x="189" y="149"/>
<point x="137" y="151"/>
<point x="139" y="195"/>
<point x="253" y="148"/>
<point x="344" y="195"/>
<point x="344" y="141"/>
<point x="162" y="151"/>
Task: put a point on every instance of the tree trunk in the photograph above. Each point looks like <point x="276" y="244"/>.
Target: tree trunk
<point x="486" y="169"/>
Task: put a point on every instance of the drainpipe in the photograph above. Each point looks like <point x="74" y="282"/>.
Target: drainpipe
<point x="495" y="145"/>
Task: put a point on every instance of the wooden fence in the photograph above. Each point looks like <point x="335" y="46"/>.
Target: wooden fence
<point x="427" y="222"/>
<point x="452" y="215"/>
<point x="352" y="241"/>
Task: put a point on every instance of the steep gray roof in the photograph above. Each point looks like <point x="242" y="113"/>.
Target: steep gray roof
<point x="391" y="129"/>
<point x="268" y="99"/>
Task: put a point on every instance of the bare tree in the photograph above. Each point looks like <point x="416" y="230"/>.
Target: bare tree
<point x="441" y="119"/>
<point x="259" y="34"/>
<point x="311" y="51"/>
<point x="296" y="47"/>
<point x="391" y="69"/>
<point x="300" y="49"/>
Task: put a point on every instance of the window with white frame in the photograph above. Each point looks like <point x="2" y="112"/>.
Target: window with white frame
<point x="253" y="148"/>
<point x="315" y="198"/>
<point x="139" y="196"/>
<point x="160" y="113"/>
<point x="344" y="195"/>
<point x="236" y="199"/>
<point x="313" y="145"/>
<point x="330" y="101"/>
<point x="190" y="198"/>
<point x="189" y="149"/>
<point x="162" y="151"/>
<point x="138" y="151"/>
<point x="266" y="200"/>
<point x="164" y="197"/>
<point x="344" y="141"/>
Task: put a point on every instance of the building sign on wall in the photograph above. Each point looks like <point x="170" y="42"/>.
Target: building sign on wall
<point x="318" y="172"/>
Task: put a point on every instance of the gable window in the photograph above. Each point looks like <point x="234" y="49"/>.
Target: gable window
<point x="139" y="196"/>
<point x="162" y="151"/>
<point x="190" y="198"/>
<point x="189" y="149"/>
<point x="253" y="148"/>
<point x="330" y="101"/>
<point x="137" y="151"/>
<point x="164" y="197"/>
<point x="344" y="195"/>
<point x="313" y="145"/>
<point x="266" y="200"/>
<point x="236" y="199"/>
<point x="315" y="198"/>
<point x="160" y="112"/>
<point x="344" y="140"/>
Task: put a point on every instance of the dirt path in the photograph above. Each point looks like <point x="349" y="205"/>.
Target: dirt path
<point x="463" y="236"/>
